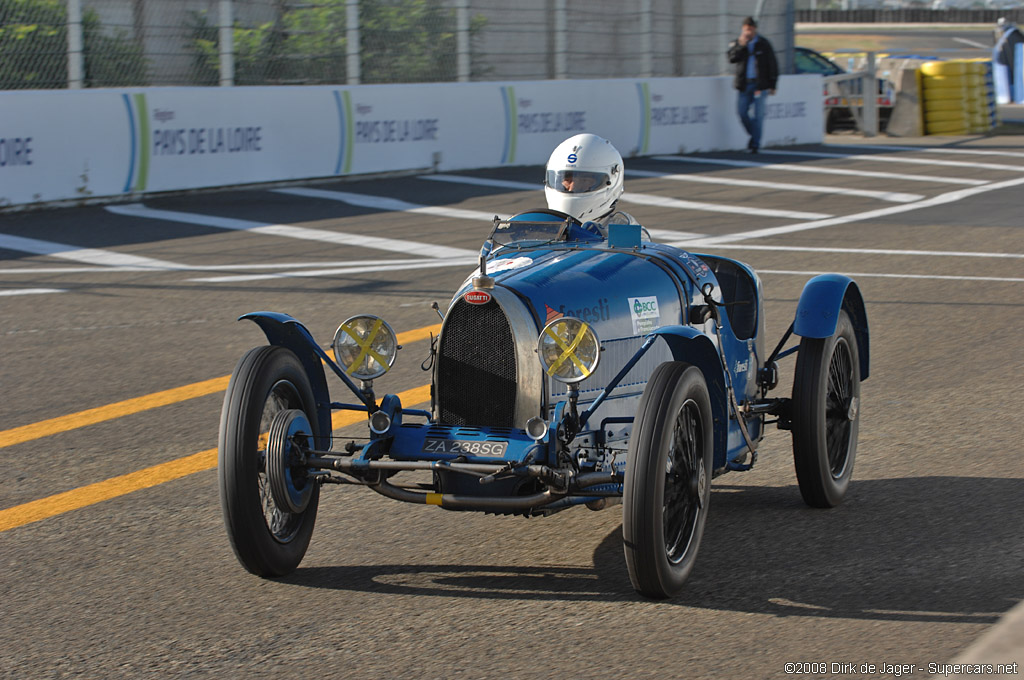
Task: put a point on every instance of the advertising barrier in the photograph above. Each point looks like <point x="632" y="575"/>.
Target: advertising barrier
<point x="107" y="143"/>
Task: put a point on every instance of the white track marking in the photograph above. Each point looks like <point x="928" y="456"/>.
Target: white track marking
<point x="343" y="271"/>
<point x="862" y="275"/>
<point x="95" y="256"/>
<point x="972" y="43"/>
<point x="649" y="199"/>
<point x="31" y="291"/>
<point x="941" y="199"/>
<point x="857" y="251"/>
<point x="970" y="151"/>
<point x="890" y="196"/>
<point x="388" y="204"/>
<point x="485" y="182"/>
<point x="745" y="210"/>
<point x="899" y="159"/>
<point x="672" y="234"/>
<point x="818" y="170"/>
<point x="289" y="231"/>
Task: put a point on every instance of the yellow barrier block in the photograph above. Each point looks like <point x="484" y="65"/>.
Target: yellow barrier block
<point x="955" y="127"/>
<point x="936" y="105"/>
<point x="947" y="116"/>
<point x="944" y="68"/>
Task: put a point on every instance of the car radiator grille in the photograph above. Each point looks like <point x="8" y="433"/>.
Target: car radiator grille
<point x="476" y="370"/>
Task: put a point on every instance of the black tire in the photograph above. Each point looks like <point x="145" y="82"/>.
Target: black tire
<point x="267" y="540"/>
<point x="826" y="414"/>
<point x="668" y="480"/>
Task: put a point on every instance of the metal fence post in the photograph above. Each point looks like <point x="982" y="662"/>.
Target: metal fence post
<point x="561" y="41"/>
<point x="462" y="41"/>
<point x="227" y="44"/>
<point x="352" y="41"/>
<point x="869" y="92"/>
<point x="75" y="59"/>
<point x="723" y="30"/>
<point x="646" y="40"/>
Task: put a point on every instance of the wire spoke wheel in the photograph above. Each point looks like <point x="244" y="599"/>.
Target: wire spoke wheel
<point x="267" y="539"/>
<point x="668" y="478"/>
<point x="683" y="482"/>
<point x="826" y="414"/>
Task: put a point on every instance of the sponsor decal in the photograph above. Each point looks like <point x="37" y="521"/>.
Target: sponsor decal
<point x="741" y="367"/>
<point x="396" y="131"/>
<point x="572" y="158"/>
<point x="786" y="110"/>
<point x="600" y="311"/>
<point x="644" y="313"/>
<point x="508" y="264"/>
<point x="679" y="115"/>
<point x="15" y="151"/>
<point x="477" y="297"/>
<point x="695" y="265"/>
<point x="181" y="141"/>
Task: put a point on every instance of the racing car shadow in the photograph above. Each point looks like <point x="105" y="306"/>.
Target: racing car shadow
<point x="945" y="549"/>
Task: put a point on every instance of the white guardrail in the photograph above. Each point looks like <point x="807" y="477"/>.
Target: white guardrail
<point x="108" y="143"/>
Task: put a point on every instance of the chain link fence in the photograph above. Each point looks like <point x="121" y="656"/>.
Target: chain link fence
<point x="120" y="43"/>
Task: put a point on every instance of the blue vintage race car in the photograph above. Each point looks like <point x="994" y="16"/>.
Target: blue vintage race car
<point x="581" y="365"/>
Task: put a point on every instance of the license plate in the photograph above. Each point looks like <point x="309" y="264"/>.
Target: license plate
<point x="467" y="447"/>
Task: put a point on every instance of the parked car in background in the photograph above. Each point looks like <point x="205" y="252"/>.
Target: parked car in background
<point x="838" y="100"/>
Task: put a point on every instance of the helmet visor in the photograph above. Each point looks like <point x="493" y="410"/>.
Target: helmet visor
<point x="577" y="181"/>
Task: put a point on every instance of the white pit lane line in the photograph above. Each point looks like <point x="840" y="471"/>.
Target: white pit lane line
<point x="899" y="159"/>
<point x="941" y="199"/>
<point x="935" y="149"/>
<point x="890" y="196"/>
<point x="643" y="199"/>
<point x="94" y="256"/>
<point x="289" y="231"/>
<point x="30" y="291"/>
<point x="928" y="277"/>
<point x="819" y="170"/>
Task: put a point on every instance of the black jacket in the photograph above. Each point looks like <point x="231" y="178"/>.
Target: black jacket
<point x="767" y="66"/>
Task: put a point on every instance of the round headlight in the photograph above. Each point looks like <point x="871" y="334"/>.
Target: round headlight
<point x="568" y="349"/>
<point x="365" y="346"/>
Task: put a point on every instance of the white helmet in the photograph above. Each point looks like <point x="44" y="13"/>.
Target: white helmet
<point x="584" y="177"/>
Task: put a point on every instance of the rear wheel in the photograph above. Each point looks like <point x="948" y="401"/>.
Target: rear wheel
<point x="826" y="414"/>
<point x="267" y="539"/>
<point x="668" y="480"/>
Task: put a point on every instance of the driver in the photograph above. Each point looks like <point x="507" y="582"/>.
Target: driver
<point x="584" y="179"/>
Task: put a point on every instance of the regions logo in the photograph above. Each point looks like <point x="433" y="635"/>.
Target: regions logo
<point x="477" y="297"/>
<point x="644" y="313"/>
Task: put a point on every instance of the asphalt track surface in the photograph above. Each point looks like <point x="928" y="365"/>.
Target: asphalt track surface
<point x="119" y="329"/>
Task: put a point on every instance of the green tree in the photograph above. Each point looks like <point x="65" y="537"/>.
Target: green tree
<point x="34" y="43"/>
<point x="402" y="41"/>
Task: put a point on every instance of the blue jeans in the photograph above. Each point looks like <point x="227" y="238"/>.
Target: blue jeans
<point x="753" y="125"/>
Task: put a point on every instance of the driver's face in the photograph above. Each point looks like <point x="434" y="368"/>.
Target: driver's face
<point x="577" y="184"/>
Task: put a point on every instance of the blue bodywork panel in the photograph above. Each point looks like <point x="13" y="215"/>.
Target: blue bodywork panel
<point x="817" y="313"/>
<point x="286" y="331"/>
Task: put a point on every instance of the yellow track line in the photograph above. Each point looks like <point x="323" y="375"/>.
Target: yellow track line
<point x="73" y="421"/>
<point x="44" y="508"/>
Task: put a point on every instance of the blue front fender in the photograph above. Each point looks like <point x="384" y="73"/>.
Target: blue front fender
<point x="690" y="345"/>
<point x="817" y="313"/>
<point x="285" y="331"/>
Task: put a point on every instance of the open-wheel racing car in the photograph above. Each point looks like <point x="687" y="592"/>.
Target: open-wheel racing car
<point x="581" y="365"/>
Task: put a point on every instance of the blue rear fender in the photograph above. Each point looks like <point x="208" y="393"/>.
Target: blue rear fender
<point x="285" y="331"/>
<point x="690" y="345"/>
<point x="817" y="313"/>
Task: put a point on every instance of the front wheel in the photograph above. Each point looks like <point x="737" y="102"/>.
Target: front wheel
<point x="826" y="414"/>
<point x="267" y="539"/>
<point x="668" y="480"/>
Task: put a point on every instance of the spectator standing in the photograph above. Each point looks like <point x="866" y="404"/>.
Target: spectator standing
<point x="757" y="73"/>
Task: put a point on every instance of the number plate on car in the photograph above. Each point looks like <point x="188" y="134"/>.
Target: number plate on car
<point x="466" y="447"/>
